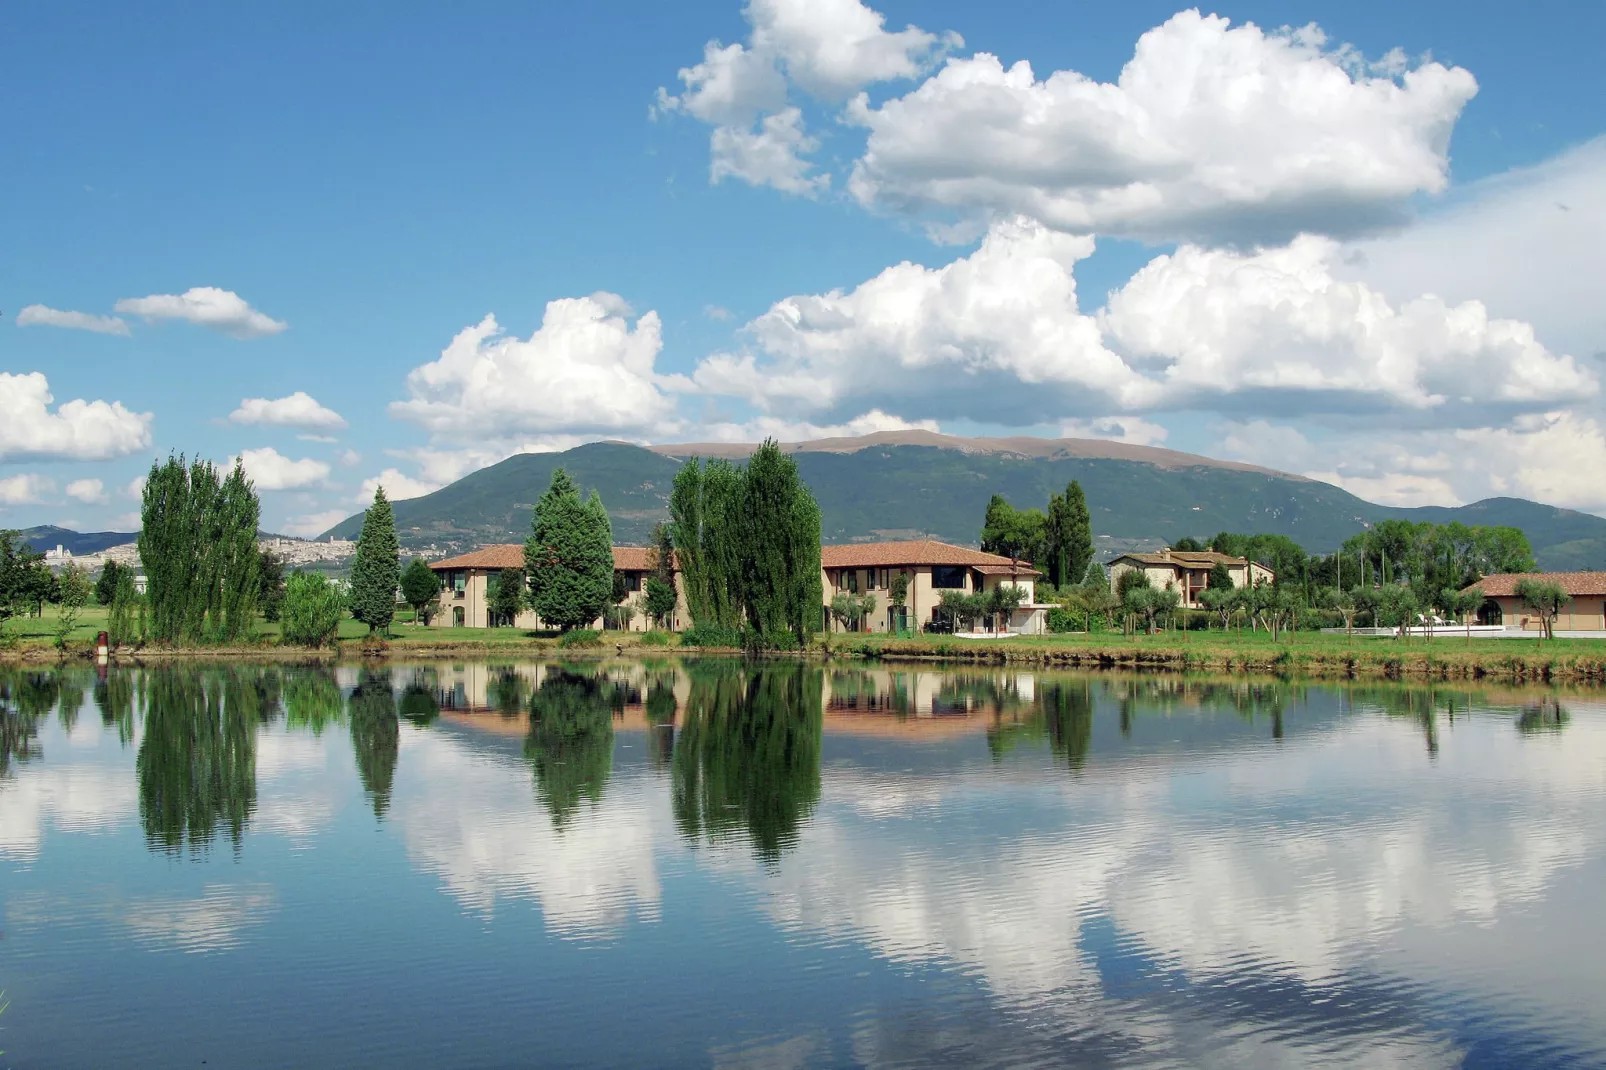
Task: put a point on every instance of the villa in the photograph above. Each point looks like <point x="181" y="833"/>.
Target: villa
<point x="1188" y="571"/>
<point x="465" y="593"/>
<point x="932" y="567"/>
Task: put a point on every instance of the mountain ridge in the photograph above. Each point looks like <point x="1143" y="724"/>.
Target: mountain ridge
<point x="897" y="485"/>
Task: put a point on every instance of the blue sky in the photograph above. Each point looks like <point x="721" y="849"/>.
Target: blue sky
<point x="368" y="181"/>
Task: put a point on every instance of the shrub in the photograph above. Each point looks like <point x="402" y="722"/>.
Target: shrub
<point x="312" y="609"/>
<point x="1061" y="620"/>
<point x="657" y="638"/>
<point x="711" y="635"/>
<point x="579" y="637"/>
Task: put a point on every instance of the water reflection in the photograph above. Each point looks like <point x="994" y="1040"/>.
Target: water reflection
<point x="197" y="759"/>
<point x="374" y="736"/>
<point x="988" y="867"/>
<point x="748" y="755"/>
<point x="570" y="740"/>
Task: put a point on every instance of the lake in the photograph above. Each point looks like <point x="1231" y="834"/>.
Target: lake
<point x="697" y="863"/>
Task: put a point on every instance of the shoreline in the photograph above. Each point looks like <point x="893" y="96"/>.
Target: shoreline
<point x="1557" y="661"/>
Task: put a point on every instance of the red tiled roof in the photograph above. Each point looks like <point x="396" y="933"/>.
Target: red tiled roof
<point x="913" y="552"/>
<point x="1021" y="569"/>
<point x="511" y="555"/>
<point x="1504" y="584"/>
<point x="1185" y="558"/>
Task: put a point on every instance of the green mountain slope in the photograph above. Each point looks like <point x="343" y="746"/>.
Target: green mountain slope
<point x="47" y="537"/>
<point x="892" y="491"/>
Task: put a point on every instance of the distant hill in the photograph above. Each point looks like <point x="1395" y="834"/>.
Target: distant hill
<point x="48" y="537"/>
<point x="912" y="484"/>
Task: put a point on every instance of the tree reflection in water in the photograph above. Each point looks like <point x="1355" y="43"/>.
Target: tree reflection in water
<point x="570" y="741"/>
<point x="312" y="700"/>
<point x="114" y="697"/>
<point x="19" y="728"/>
<point x="1062" y="712"/>
<point x="375" y="735"/>
<point x="748" y="754"/>
<point x="197" y="760"/>
<point x="1545" y="715"/>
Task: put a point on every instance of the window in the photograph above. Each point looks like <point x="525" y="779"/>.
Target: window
<point x="948" y="577"/>
<point x="459" y="581"/>
<point x="632" y="581"/>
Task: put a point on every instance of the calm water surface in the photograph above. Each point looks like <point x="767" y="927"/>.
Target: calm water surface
<point x="696" y="864"/>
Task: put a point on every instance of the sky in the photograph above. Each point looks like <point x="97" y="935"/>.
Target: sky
<point x="392" y="243"/>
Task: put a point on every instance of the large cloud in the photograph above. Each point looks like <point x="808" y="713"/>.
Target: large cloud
<point x="961" y="339"/>
<point x="588" y="370"/>
<point x="1211" y="133"/>
<point x="295" y="410"/>
<point x="208" y="306"/>
<point x="1278" y="322"/>
<point x="77" y="430"/>
<point x="998" y="335"/>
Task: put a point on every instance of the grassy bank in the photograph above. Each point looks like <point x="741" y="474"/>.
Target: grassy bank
<point x="1303" y="654"/>
<point x="1446" y="657"/>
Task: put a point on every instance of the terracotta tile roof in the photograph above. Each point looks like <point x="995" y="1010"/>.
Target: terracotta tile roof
<point x="511" y="555"/>
<point x="1504" y="584"/>
<point x="913" y="552"/>
<point x="1186" y="558"/>
<point x="1021" y="569"/>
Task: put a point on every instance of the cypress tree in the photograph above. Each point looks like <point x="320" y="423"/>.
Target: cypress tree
<point x="569" y="556"/>
<point x="376" y="569"/>
<point x="1079" y="531"/>
<point x="777" y="531"/>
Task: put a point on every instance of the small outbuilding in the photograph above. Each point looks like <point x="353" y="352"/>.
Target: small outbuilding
<point x="1188" y="571"/>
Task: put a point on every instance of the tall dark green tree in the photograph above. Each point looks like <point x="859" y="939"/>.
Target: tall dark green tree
<point x="685" y="532"/>
<point x="569" y="556"/>
<point x="270" y="586"/>
<point x="198" y="543"/>
<point x="376" y="569"/>
<point x="1078" y="534"/>
<point x="722" y="543"/>
<point x="778" y="537"/>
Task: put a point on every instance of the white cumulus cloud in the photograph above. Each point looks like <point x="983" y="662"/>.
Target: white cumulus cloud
<point x="588" y="370"/>
<point x="207" y="306"/>
<point x="77" y="430"/>
<point x="998" y="336"/>
<point x="45" y="316"/>
<point x="1129" y="429"/>
<point x="296" y="410"/>
<point x="88" y="491"/>
<point x="271" y="470"/>
<point x="770" y="155"/>
<point x="312" y="525"/>
<point x="1211" y="133"/>
<point x="25" y="488"/>
<point x="1279" y="321"/>
<point x="831" y="48"/>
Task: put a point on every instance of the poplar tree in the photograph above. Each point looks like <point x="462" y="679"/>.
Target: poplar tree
<point x="686" y="520"/>
<point x="569" y="556"/>
<point x="197" y="542"/>
<point x="376" y="569"/>
<point x="721" y="548"/>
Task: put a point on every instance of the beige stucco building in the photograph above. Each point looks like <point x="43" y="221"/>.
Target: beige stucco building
<point x="932" y="567"/>
<point x="1188" y="571"/>
<point x="464" y="598"/>
<point x="1586" y="611"/>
